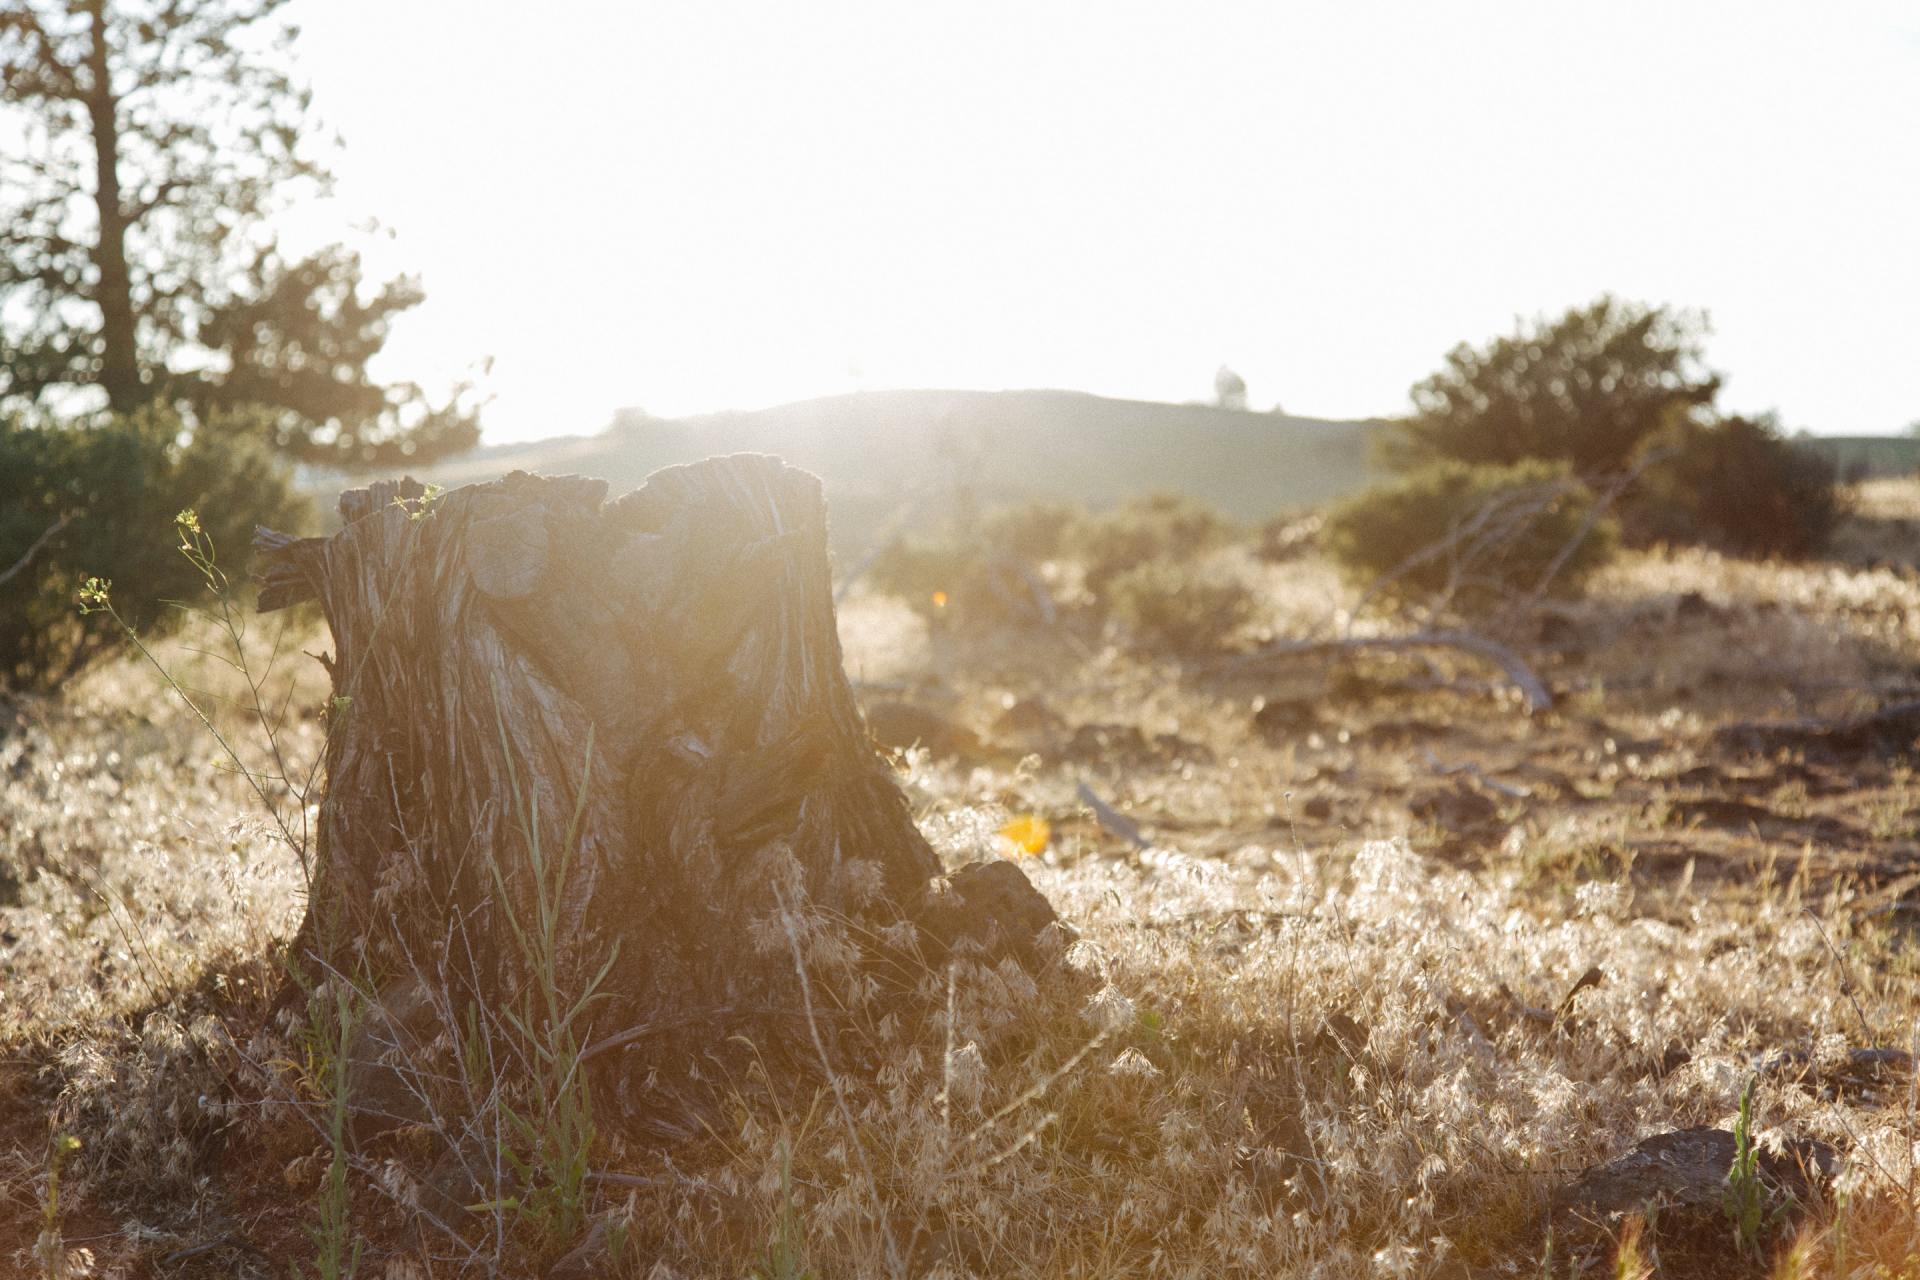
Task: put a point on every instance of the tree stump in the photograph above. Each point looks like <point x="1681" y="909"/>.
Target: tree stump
<point x="645" y="700"/>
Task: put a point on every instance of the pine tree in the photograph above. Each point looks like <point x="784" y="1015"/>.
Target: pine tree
<point x="145" y="146"/>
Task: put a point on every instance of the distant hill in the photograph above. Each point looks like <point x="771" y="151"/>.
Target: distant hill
<point x="878" y="450"/>
<point x="1866" y="457"/>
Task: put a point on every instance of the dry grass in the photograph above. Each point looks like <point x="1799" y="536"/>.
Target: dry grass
<point x="142" y="864"/>
<point x="1289" y="1045"/>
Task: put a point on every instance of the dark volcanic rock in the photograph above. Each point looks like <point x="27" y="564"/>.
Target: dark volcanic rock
<point x="1351" y="686"/>
<point x="1888" y="732"/>
<point x="993" y="904"/>
<point x="1455" y="809"/>
<point x="1558" y="631"/>
<point x="1722" y="811"/>
<point x="900" y="725"/>
<point x="1676" y="1182"/>
<point x="1283" y="719"/>
<point x="1030" y="724"/>
<point x="1693" y="606"/>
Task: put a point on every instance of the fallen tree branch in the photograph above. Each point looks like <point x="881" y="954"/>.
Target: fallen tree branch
<point x="20" y="565"/>
<point x="1510" y="663"/>
<point x="1111" y="818"/>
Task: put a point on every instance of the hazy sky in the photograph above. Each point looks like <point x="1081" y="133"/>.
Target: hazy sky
<point x="693" y="206"/>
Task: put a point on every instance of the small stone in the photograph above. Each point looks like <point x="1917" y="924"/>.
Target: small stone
<point x="1681" y="1177"/>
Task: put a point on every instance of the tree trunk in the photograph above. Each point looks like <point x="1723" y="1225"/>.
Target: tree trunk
<point x="119" y="373"/>
<point x="645" y="698"/>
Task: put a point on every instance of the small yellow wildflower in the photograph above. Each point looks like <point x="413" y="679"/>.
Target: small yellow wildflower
<point x="1028" y="834"/>
<point x="94" y="597"/>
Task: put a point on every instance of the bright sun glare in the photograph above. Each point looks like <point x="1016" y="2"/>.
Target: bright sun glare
<point x="693" y="206"/>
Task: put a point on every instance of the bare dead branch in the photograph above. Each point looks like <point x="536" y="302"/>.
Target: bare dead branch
<point x="1602" y="504"/>
<point x="1489" y="525"/>
<point x="20" y="565"/>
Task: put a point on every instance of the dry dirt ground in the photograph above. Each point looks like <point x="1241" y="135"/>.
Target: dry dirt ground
<point x="1379" y="962"/>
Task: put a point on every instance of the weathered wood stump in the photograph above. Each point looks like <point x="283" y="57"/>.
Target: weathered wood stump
<point x="648" y="692"/>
